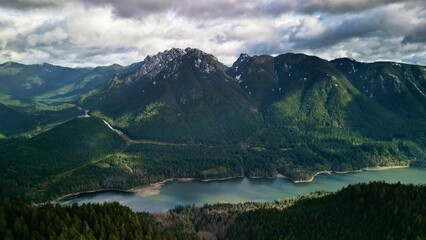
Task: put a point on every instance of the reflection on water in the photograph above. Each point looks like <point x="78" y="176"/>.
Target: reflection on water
<point x="245" y="189"/>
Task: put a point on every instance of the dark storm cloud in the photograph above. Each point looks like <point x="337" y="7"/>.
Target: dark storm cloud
<point x="112" y="31"/>
<point x="188" y="8"/>
<point x="275" y="8"/>
<point x="359" y="26"/>
<point x="391" y="32"/>
<point x="339" y="6"/>
<point x="418" y="35"/>
<point x="238" y="8"/>
<point x="30" y="4"/>
<point x="408" y="21"/>
<point x="215" y="9"/>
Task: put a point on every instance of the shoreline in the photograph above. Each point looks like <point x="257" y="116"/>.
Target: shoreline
<point x="145" y="190"/>
<point x="217" y="179"/>
<point x="350" y="171"/>
<point x="154" y="188"/>
<point x="376" y="168"/>
<point x="312" y="178"/>
<point x="379" y="168"/>
<point x="150" y="189"/>
<point x="71" y="195"/>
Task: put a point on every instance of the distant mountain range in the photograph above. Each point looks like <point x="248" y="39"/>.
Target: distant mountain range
<point x="291" y="114"/>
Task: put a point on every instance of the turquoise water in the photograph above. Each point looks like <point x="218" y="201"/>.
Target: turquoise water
<point x="244" y="189"/>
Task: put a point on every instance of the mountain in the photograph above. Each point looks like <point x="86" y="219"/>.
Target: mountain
<point x="182" y="113"/>
<point x="293" y="114"/>
<point x="256" y="76"/>
<point x="310" y="89"/>
<point x="178" y="96"/>
<point x="46" y="82"/>
<point x="13" y="121"/>
<point x="85" y="82"/>
<point x="316" y="119"/>
<point x="45" y="94"/>
<point x="31" y="167"/>
<point x="399" y="87"/>
<point x="25" y="81"/>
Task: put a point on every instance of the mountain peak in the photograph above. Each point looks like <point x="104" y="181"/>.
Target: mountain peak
<point x="238" y="66"/>
<point x="152" y="65"/>
<point x="198" y="53"/>
<point x="178" y="52"/>
<point x="10" y="64"/>
<point x="243" y="57"/>
<point x="167" y="55"/>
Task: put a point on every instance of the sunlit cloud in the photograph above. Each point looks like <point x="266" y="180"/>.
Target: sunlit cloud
<point x="103" y="32"/>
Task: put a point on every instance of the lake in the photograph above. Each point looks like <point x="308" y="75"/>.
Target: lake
<point x="244" y="189"/>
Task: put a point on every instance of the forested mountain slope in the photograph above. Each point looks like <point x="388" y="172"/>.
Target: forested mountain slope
<point x="362" y="211"/>
<point x="179" y="96"/>
<point x="186" y="114"/>
<point x="12" y="121"/>
<point x="31" y="168"/>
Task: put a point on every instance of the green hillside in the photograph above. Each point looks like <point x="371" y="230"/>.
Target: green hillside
<point x="45" y="94"/>
<point x="186" y="114"/>
<point x="399" y="87"/>
<point x="375" y="210"/>
<point x="46" y="82"/>
<point x="82" y="84"/>
<point x="189" y="99"/>
<point x="256" y="76"/>
<point x="33" y="166"/>
<point x="362" y="211"/>
<point x="292" y="114"/>
<point x="90" y="221"/>
<point x="317" y="120"/>
<point x="13" y="121"/>
<point x="26" y="81"/>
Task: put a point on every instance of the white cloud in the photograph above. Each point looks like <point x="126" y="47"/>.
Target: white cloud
<point x="57" y="35"/>
<point x="310" y="27"/>
<point x="12" y="24"/>
<point x="90" y="33"/>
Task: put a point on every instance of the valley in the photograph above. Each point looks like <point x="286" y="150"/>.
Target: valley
<point x="165" y="196"/>
<point x="212" y="120"/>
<point x="130" y="141"/>
<point x="183" y="114"/>
<point x="230" y="119"/>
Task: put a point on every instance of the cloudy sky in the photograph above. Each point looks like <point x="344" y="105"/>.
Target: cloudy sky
<point x="102" y="32"/>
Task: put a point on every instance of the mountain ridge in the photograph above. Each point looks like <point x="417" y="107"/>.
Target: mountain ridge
<point x="292" y="114"/>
